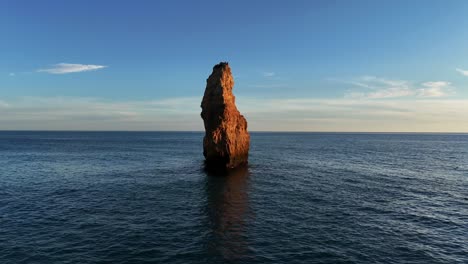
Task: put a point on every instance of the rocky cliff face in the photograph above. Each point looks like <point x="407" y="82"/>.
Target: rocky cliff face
<point x="226" y="142"/>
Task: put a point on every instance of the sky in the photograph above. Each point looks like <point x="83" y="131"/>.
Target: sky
<point x="354" y="66"/>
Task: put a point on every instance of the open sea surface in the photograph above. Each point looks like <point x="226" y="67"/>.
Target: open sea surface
<point x="144" y="197"/>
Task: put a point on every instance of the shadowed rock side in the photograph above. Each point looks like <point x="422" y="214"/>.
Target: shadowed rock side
<point x="226" y="142"/>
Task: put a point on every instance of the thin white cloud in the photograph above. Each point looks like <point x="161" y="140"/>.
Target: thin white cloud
<point x="11" y="74"/>
<point x="63" y="68"/>
<point x="3" y="104"/>
<point x="390" y="92"/>
<point x="382" y="88"/>
<point x="268" y="74"/>
<point x="435" y="89"/>
<point x="269" y="85"/>
<point x="462" y="72"/>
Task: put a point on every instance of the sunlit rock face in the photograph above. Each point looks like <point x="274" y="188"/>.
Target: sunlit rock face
<point x="226" y="142"/>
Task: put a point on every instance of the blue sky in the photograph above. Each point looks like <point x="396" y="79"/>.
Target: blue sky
<point x="298" y="65"/>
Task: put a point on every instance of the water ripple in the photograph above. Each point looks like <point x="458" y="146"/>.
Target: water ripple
<point x="76" y="197"/>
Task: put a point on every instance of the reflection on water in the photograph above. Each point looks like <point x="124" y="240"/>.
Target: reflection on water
<point x="227" y="209"/>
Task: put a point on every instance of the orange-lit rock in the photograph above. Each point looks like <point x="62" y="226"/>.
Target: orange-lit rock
<point x="226" y="142"/>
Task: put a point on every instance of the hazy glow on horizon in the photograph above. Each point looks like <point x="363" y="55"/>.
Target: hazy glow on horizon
<point x="357" y="115"/>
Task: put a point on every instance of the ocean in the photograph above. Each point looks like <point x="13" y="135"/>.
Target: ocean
<point x="145" y="197"/>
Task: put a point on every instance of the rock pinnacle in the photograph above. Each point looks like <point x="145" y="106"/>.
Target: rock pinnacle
<point x="226" y="142"/>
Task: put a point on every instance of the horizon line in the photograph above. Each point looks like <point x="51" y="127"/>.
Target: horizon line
<point x="252" y="131"/>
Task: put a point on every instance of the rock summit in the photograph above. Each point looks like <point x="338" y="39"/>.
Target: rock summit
<point x="226" y="142"/>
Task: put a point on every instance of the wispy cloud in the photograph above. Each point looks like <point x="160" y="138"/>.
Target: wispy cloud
<point x="382" y="88"/>
<point x="269" y="80"/>
<point x="268" y="74"/>
<point x="269" y="85"/>
<point x="462" y="72"/>
<point x="11" y="74"/>
<point x="63" y="68"/>
<point x="435" y="89"/>
<point x="3" y="104"/>
<point x="379" y="88"/>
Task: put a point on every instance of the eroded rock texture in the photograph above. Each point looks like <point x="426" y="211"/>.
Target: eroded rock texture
<point x="226" y="142"/>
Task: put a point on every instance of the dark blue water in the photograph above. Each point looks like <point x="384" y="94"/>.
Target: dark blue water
<point x="122" y="197"/>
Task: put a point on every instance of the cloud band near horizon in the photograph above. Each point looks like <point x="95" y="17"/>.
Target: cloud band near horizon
<point x="304" y="114"/>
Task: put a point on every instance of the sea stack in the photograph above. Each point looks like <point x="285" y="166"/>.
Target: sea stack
<point x="226" y="142"/>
